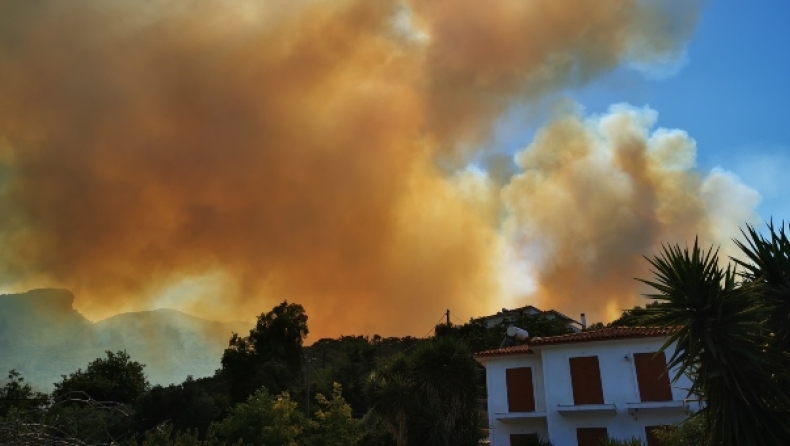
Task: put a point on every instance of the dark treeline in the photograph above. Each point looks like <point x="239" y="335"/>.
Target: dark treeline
<point x="731" y="327"/>
<point x="273" y="390"/>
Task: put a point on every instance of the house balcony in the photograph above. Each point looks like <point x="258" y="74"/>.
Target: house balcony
<point x="575" y="409"/>
<point x="651" y="406"/>
<point x="518" y="416"/>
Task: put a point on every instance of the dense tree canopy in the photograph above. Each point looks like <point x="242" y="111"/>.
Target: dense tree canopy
<point x="478" y="336"/>
<point x="115" y="378"/>
<point x="263" y="420"/>
<point x="271" y="356"/>
<point x="383" y="391"/>
<point x="18" y="396"/>
<point x="191" y="405"/>
<point x="429" y="396"/>
<point x="633" y="316"/>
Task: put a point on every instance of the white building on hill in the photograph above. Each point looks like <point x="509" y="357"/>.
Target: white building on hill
<point x="575" y="389"/>
<point x="511" y="314"/>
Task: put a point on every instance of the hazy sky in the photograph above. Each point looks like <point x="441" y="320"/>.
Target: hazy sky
<point x="381" y="161"/>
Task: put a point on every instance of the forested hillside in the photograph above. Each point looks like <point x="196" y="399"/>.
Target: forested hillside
<point x="268" y="387"/>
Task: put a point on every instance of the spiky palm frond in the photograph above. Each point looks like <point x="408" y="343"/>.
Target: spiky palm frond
<point x="445" y="377"/>
<point x="429" y="397"/>
<point x="769" y="264"/>
<point x="720" y="337"/>
<point x="390" y="390"/>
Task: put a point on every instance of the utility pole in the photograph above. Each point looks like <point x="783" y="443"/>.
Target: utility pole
<point x="447" y="315"/>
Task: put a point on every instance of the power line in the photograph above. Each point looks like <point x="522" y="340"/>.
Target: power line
<point x="425" y="335"/>
<point x="457" y="318"/>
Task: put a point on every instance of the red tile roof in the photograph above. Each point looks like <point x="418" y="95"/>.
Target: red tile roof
<point x="585" y="336"/>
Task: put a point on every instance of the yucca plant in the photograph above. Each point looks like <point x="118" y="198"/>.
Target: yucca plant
<point x="429" y="397"/>
<point x="390" y="390"/>
<point x="722" y="343"/>
<point x="768" y="263"/>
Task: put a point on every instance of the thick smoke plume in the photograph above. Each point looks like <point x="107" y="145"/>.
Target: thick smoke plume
<point x="597" y="195"/>
<point x="223" y="156"/>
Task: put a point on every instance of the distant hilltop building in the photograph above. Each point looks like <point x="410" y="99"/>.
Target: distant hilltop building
<point x="511" y="315"/>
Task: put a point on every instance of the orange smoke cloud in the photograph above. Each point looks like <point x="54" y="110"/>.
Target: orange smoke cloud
<point x="278" y="150"/>
<point x="596" y="195"/>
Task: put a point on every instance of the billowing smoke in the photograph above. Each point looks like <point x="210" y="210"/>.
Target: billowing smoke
<point x="596" y="195"/>
<point x="223" y="156"/>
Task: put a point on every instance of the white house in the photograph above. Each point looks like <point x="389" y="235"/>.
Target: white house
<point x="575" y="389"/>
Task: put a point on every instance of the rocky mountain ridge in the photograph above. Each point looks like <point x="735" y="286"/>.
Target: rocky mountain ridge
<point x="43" y="337"/>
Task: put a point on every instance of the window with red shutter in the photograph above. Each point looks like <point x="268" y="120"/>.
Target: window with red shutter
<point x="586" y="380"/>
<point x="652" y="376"/>
<point x="523" y="439"/>
<point x="590" y="436"/>
<point x="652" y="438"/>
<point x="520" y="395"/>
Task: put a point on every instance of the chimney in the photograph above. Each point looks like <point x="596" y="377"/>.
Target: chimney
<point x="584" y="322"/>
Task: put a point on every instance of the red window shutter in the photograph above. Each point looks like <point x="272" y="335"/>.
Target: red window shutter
<point x="520" y="396"/>
<point x="590" y="436"/>
<point x="523" y="439"/>
<point x="652" y="439"/>
<point x="652" y="376"/>
<point x="586" y="380"/>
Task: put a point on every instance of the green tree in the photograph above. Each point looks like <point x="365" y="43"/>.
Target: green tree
<point x="541" y="325"/>
<point x="17" y="396"/>
<point x="21" y="412"/>
<point x="633" y="316"/>
<point x="430" y="396"/>
<point x="691" y="432"/>
<point x="263" y="420"/>
<point x="724" y="343"/>
<point x="94" y="405"/>
<point x="478" y="336"/>
<point x="346" y="361"/>
<point x="166" y="435"/>
<point x="270" y="356"/>
<point x="334" y="423"/>
<point x="115" y="378"/>
<point x="191" y="405"/>
<point x="595" y="326"/>
<point x="393" y="400"/>
<point x="445" y="374"/>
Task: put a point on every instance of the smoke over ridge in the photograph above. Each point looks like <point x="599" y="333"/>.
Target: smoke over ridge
<point x="223" y="156"/>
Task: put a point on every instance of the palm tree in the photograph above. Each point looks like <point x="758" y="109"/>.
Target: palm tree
<point x="445" y="377"/>
<point x="390" y="390"/>
<point x="429" y="396"/>
<point x="769" y="264"/>
<point x="724" y="344"/>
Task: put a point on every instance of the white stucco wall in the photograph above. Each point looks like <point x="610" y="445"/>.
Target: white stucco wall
<point x="552" y="382"/>
<point x="496" y="385"/>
